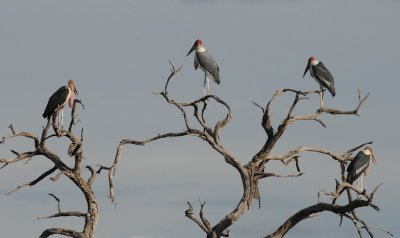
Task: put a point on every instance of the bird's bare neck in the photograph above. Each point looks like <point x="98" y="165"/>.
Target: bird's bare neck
<point x="70" y="97"/>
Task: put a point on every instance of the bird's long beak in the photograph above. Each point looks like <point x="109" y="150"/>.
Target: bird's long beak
<point x="307" y="67"/>
<point x="192" y="49"/>
<point x="75" y="91"/>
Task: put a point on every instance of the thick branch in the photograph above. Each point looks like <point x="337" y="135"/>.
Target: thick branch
<point x="61" y="231"/>
<point x="307" y="212"/>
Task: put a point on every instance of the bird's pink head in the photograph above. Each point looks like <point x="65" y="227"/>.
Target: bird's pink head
<point x="368" y="151"/>
<point x="197" y="44"/>
<point x="71" y="85"/>
<point x="309" y="63"/>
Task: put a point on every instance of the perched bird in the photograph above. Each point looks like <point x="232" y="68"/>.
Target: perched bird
<point x="322" y="75"/>
<point x="206" y="63"/>
<point x="64" y="95"/>
<point x="360" y="166"/>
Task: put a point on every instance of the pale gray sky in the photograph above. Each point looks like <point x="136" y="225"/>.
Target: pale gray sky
<point x="117" y="52"/>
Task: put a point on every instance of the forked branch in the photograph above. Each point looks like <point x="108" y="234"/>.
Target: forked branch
<point x="311" y="210"/>
<point x="74" y="174"/>
<point x="252" y="172"/>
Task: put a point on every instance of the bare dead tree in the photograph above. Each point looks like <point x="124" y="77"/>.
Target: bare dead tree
<point x="255" y="170"/>
<point x="75" y="150"/>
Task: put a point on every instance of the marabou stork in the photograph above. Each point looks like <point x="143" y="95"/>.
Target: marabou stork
<point x="64" y="95"/>
<point x="322" y="75"/>
<point x="206" y="63"/>
<point x="360" y="166"/>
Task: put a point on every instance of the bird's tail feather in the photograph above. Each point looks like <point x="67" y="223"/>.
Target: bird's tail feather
<point x="332" y="91"/>
<point x="45" y="113"/>
<point x="213" y="77"/>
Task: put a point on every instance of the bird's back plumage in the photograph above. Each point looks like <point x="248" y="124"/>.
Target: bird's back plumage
<point x="324" y="77"/>
<point x="58" y="98"/>
<point x="207" y="63"/>
<point x="357" y="167"/>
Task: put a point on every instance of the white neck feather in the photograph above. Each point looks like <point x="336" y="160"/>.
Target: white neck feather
<point x="201" y="49"/>
<point x="314" y="62"/>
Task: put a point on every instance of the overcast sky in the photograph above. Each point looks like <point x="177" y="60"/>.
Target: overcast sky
<point x="117" y="52"/>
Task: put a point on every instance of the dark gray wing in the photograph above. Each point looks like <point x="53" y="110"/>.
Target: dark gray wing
<point x="324" y="77"/>
<point x="196" y="63"/>
<point x="58" y="98"/>
<point x="207" y="63"/>
<point x="357" y="166"/>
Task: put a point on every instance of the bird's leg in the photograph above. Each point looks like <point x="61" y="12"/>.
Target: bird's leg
<point x="204" y="86"/>
<point x="58" y="119"/>
<point x="362" y="185"/>
<point x="208" y="86"/>
<point x="321" y="97"/>
<point x="62" y="119"/>
<point x="358" y="187"/>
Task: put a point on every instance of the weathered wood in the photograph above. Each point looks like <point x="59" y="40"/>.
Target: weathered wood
<point x="91" y="215"/>
<point x="311" y="210"/>
<point x="254" y="170"/>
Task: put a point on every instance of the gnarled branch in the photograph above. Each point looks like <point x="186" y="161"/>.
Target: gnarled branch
<point x="309" y="211"/>
<point x="254" y="170"/>
<point x="74" y="174"/>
